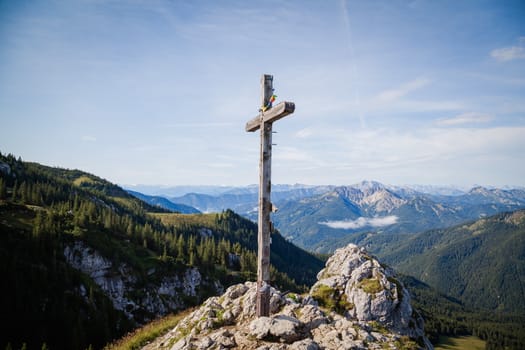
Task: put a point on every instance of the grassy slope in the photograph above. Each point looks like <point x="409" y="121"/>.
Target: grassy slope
<point x="148" y="333"/>
<point x="460" y="343"/>
<point x="205" y="220"/>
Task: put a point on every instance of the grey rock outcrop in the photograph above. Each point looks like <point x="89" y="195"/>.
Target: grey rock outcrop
<point x="370" y="290"/>
<point x="356" y="304"/>
<point x="119" y="282"/>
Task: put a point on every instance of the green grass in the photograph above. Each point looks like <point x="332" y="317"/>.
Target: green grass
<point x="16" y="216"/>
<point x="405" y="343"/>
<point x="206" y="220"/>
<point x="325" y="296"/>
<point x="371" y="285"/>
<point x="141" y="336"/>
<point x="83" y="179"/>
<point x="460" y="343"/>
<point x="329" y="298"/>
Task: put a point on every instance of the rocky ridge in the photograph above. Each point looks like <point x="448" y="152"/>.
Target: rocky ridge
<point x="357" y="303"/>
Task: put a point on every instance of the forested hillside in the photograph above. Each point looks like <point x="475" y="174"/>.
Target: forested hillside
<point x="473" y="276"/>
<point x="84" y="261"/>
<point x="448" y="316"/>
<point x="481" y="263"/>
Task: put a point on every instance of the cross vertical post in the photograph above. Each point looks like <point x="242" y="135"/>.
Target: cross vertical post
<point x="264" y="121"/>
<point x="265" y="187"/>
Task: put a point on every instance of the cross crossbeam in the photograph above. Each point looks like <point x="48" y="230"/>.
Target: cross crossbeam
<point x="264" y="121"/>
<point x="281" y="110"/>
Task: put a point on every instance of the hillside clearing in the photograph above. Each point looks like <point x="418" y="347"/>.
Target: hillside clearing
<point x="460" y="343"/>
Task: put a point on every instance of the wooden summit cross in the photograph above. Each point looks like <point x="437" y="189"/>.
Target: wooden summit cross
<point x="264" y="121"/>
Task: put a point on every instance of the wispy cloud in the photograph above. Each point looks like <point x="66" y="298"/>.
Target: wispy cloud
<point x="510" y="53"/>
<point x="402" y="90"/>
<point x="199" y="125"/>
<point x="89" y="138"/>
<point x="304" y="133"/>
<point x="361" y="222"/>
<point x="409" y="154"/>
<point x="291" y="154"/>
<point x="221" y="165"/>
<point x="465" y="118"/>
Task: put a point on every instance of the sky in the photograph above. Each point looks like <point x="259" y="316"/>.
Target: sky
<point x="158" y="92"/>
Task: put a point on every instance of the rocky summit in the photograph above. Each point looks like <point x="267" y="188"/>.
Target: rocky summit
<point x="357" y="303"/>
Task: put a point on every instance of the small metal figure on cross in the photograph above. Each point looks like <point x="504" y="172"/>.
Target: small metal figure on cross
<point x="268" y="115"/>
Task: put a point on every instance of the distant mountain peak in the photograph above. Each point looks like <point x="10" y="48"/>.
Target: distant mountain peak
<point x="369" y="185"/>
<point x="372" y="194"/>
<point x="479" y="189"/>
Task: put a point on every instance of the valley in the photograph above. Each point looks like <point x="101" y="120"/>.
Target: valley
<point x="466" y="245"/>
<point x="322" y="218"/>
<point x="76" y="248"/>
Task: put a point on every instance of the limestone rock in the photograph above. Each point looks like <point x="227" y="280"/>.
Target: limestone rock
<point x="119" y="281"/>
<point x="369" y="290"/>
<point x="305" y="344"/>
<point x="285" y="328"/>
<point x="260" y="327"/>
<point x="365" y="308"/>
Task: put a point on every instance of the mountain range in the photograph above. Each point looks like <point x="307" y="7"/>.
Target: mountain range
<point x="321" y="218"/>
<point x="85" y="261"/>
<point x="165" y="203"/>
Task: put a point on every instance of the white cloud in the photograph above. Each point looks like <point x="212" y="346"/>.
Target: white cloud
<point x="402" y="90"/>
<point x="459" y="154"/>
<point x="361" y="222"/>
<point x="291" y="154"/>
<point x="510" y="53"/>
<point x="203" y="124"/>
<point x="221" y="165"/>
<point x="304" y="133"/>
<point x="89" y="138"/>
<point x="465" y="118"/>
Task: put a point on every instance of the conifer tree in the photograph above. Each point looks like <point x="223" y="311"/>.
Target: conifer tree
<point x="3" y="190"/>
<point x="38" y="224"/>
<point x="14" y="194"/>
<point x="130" y="229"/>
<point x="180" y="248"/>
<point x="192" y="251"/>
<point x="164" y="253"/>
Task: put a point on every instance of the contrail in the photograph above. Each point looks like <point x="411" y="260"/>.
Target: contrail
<point x="357" y="98"/>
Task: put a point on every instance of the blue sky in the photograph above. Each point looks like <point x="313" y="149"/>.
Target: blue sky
<point x="158" y="92"/>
